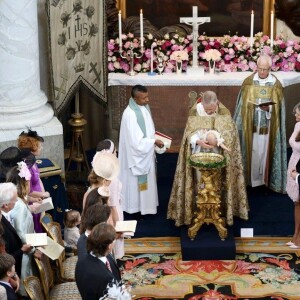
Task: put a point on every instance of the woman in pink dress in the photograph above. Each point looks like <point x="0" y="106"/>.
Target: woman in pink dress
<point x="34" y="142"/>
<point x="292" y="186"/>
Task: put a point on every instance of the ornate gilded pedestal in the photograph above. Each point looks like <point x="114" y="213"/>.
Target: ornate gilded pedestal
<point x="208" y="201"/>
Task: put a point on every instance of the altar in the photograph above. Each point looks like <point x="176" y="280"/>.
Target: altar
<point x="170" y="101"/>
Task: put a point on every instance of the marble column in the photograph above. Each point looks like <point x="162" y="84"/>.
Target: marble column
<point x="23" y="104"/>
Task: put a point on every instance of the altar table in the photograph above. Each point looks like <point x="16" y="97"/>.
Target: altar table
<point x="169" y="100"/>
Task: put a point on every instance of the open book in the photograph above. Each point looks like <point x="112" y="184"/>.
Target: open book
<point x="126" y="227"/>
<point x="262" y="104"/>
<point x="164" y="138"/>
<point x="36" y="239"/>
<point x="52" y="250"/>
<point x="46" y="204"/>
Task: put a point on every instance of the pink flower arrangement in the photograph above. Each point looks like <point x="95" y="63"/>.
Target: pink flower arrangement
<point x="231" y="53"/>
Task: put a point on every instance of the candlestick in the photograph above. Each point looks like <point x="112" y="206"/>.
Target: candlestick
<point x="272" y="30"/>
<point x="130" y="54"/>
<point x="120" y="29"/>
<point x="251" y="28"/>
<point x="142" y="28"/>
<point x="151" y="59"/>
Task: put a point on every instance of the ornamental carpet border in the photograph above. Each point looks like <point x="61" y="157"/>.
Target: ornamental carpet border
<point x="243" y="245"/>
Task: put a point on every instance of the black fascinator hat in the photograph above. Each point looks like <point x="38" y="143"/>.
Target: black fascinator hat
<point x="32" y="134"/>
<point x="11" y="156"/>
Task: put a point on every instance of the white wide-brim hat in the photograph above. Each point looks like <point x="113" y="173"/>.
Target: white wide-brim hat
<point x="106" y="165"/>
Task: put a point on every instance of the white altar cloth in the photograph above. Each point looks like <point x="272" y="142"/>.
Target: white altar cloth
<point x="173" y="79"/>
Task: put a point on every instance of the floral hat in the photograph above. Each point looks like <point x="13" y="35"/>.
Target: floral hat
<point x="106" y="165"/>
<point x="23" y="170"/>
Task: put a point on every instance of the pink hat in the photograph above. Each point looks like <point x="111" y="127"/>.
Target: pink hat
<point x="106" y="165"/>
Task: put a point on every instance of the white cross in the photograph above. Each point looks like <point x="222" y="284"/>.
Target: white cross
<point x="195" y="22"/>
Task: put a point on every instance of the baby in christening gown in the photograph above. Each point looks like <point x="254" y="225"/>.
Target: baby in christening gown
<point x="213" y="138"/>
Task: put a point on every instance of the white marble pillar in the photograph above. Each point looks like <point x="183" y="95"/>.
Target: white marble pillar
<point x="22" y="103"/>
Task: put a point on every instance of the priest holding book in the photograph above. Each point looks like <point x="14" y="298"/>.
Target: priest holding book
<point x="137" y="155"/>
<point x="260" y="119"/>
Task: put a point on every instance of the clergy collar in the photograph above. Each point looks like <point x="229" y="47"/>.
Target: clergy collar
<point x="202" y="112"/>
<point x="270" y="78"/>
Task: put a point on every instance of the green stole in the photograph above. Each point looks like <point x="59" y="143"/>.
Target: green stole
<point x="142" y="179"/>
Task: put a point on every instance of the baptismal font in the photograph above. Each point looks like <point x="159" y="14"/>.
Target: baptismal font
<point x="208" y="201"/>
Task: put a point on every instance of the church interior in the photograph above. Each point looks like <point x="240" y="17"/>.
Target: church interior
<point x="71" y="70"/>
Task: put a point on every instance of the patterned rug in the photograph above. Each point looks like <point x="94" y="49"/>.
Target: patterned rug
<point x="263" y="269"/>
<point x="250" y="276"/>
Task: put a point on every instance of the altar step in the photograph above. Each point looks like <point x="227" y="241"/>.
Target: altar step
<point x="207" y="245"/>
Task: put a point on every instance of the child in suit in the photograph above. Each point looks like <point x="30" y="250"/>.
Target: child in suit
<point x="7" y="271"/>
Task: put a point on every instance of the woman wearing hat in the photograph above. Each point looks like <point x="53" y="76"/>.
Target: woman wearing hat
<point x="104" y="177"/>
<point x="115" y="197"/>
<point x="11" y="156"/>
<point x="32" y="141"/>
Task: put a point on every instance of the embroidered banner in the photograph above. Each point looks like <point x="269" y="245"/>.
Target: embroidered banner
<point x="77" y="48"/>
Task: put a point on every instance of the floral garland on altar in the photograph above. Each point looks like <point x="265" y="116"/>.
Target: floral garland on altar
<point x="236" y="52"/>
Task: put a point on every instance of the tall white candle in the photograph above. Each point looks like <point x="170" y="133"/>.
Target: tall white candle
<point x="120" y="30"/>
<point x="272" y="30"/>
<point x="142" y="28"/>
<point x="251" y="28"/>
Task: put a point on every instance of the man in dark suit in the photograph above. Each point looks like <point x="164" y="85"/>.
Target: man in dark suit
<point x="7" y="271"/>
<point x="94" y="215"/>
<point x="97" y="269"/>
<point x="13" y="243"/>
